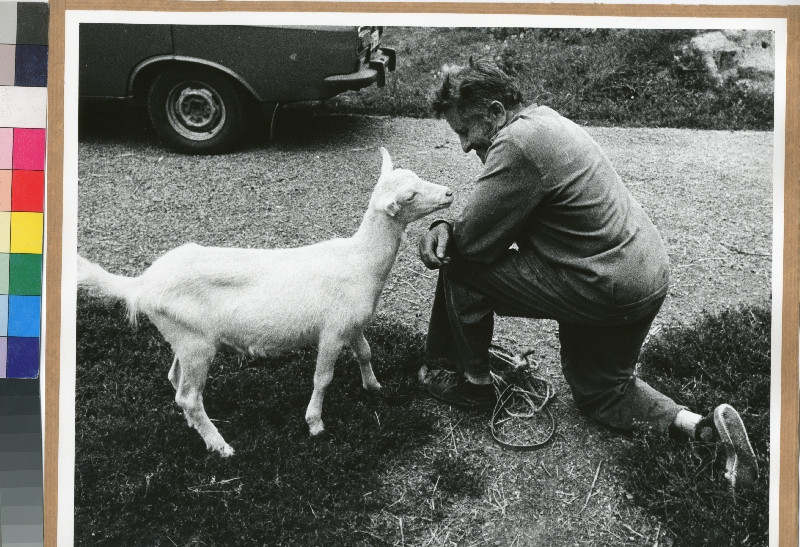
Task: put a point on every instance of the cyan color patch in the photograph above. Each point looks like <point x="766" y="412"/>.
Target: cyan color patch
<point x="24" y="315"/>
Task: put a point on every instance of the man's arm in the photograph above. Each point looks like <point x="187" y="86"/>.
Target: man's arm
<point x="507" y="192"/>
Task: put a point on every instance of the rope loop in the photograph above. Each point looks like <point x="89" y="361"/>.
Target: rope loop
<point x="522" y="399"/>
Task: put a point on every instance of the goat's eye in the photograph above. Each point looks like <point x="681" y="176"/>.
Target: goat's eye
<point x="411" y="197"/>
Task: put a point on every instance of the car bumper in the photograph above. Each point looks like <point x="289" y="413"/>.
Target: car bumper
<point x="383" y="60"/>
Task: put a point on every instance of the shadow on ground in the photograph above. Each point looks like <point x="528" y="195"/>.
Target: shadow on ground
<point x="123" y="122"/>
<point x="144" y="478"/>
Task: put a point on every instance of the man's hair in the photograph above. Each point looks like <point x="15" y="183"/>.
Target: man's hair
<point x="474" y="87"/>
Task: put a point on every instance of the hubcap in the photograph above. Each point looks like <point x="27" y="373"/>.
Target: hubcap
<point x="195" y="111"/>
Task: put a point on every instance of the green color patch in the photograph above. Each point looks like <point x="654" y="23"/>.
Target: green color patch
<point x="25" y="274"/>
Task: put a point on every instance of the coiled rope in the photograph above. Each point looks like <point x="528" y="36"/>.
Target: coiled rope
<point x="521" y="419"/>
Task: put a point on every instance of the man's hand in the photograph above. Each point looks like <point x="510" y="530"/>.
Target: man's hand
<point x="433" y="246"/>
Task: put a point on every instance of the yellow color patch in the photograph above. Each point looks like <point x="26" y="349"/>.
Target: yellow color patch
<point x="5" y="232"/>
<point x="26" y="233"/>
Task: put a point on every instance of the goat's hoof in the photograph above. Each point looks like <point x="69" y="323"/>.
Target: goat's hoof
<point x="375" y="388"/>
<point x="316" y="428"/>
<point x="221" y="448"/>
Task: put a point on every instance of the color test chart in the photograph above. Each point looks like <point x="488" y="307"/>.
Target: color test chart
<point x="23" y="111"/>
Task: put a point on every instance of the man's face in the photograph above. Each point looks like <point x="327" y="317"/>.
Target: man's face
<point x="474" y="130"/>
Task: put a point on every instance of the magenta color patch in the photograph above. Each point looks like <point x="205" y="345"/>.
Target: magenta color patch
<point x="29" y="149"/>
<point x="6" y="147"/>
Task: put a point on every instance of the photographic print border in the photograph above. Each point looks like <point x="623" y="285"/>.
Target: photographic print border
<point x="787" y="490"/>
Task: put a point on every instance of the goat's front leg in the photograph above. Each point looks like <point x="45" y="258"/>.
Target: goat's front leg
<point x="175" y="373"/>
<point x="364" y="355"/>
<point x="328" y="351"/>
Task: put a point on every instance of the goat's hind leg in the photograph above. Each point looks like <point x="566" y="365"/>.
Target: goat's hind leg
<point x="188" y="374"/>
<point x="364" y="355"/>
<point x="195" y="359"/>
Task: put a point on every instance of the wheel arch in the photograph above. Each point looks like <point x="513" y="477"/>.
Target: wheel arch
<point x="142" y="76"/>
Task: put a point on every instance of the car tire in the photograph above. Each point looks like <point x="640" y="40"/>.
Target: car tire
<point x="197" y="110"/>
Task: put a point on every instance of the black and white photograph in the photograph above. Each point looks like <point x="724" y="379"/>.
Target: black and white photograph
<point x="358" y="279"/>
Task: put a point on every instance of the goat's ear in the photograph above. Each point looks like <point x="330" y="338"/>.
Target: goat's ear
<point x="391" y="207"/>
<point x="387" y="162"/>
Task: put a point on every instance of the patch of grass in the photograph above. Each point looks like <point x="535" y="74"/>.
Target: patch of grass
<point x="453" y="474"/>
<point x="723" y="358"/>
<point x="143" y="477"/>
<point x="622" y="77"/>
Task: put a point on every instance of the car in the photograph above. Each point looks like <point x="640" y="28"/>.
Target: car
<point x="203" y="85"/>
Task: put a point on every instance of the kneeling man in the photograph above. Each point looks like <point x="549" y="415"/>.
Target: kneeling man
<point x="586" y="255"/>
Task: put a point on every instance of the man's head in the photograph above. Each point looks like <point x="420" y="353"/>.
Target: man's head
<point x="476" y="101"/>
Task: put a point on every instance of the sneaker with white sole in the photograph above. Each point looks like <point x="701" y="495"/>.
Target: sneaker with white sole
<point x="725" y="425"/>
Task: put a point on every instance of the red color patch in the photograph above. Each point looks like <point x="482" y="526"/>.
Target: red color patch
<point x="27" y="191"/>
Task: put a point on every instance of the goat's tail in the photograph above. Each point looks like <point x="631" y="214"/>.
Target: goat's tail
<point x="103" y="283"/>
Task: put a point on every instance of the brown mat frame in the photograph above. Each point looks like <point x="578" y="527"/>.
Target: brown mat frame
<point x="790" y="362"/>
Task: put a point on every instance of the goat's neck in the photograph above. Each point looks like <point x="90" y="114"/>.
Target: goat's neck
<point x="381" y="236"/>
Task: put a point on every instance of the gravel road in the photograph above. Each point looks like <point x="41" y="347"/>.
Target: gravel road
<point x="709" y="193"/>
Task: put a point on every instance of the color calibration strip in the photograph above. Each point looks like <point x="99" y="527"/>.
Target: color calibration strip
<point x="23" y="113"/>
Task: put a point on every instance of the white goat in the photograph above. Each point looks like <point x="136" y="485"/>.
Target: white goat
<point x="267" y="301"/>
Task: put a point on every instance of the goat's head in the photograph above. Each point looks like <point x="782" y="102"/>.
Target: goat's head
<point x="401" y="194"/>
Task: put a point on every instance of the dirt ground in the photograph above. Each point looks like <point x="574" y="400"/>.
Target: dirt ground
<point x="709" y="193"/>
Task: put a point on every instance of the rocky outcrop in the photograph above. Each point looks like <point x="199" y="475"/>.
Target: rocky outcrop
<point x="746" y="57"/>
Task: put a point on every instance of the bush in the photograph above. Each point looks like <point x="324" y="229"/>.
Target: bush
<point x="593" y="76"/>
<point x="723" y="358"/>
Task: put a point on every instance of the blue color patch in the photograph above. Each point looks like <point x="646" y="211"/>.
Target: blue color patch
<point x="23" y="358"/>
<point x="31" y="66"/>
<point x="24" y="315"/>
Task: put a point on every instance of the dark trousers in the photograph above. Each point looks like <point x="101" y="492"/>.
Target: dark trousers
<point x="599" y="347"/>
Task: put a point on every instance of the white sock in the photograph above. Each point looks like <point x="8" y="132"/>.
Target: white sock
<point x="686" y="422"/>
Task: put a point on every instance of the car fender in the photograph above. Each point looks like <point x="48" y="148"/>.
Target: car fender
<point x="166" y="59"/>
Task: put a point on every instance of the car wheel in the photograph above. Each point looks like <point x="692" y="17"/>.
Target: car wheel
<point x="197" y="110"/>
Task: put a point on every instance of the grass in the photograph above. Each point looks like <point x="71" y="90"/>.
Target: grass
<point x="725" y="357"/>
<point x="620" y="77"/>
<point x="164" y="488"/>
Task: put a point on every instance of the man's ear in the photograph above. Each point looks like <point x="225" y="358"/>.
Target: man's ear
<point x="387" y="166"/>
<point x="498" y="113"/>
